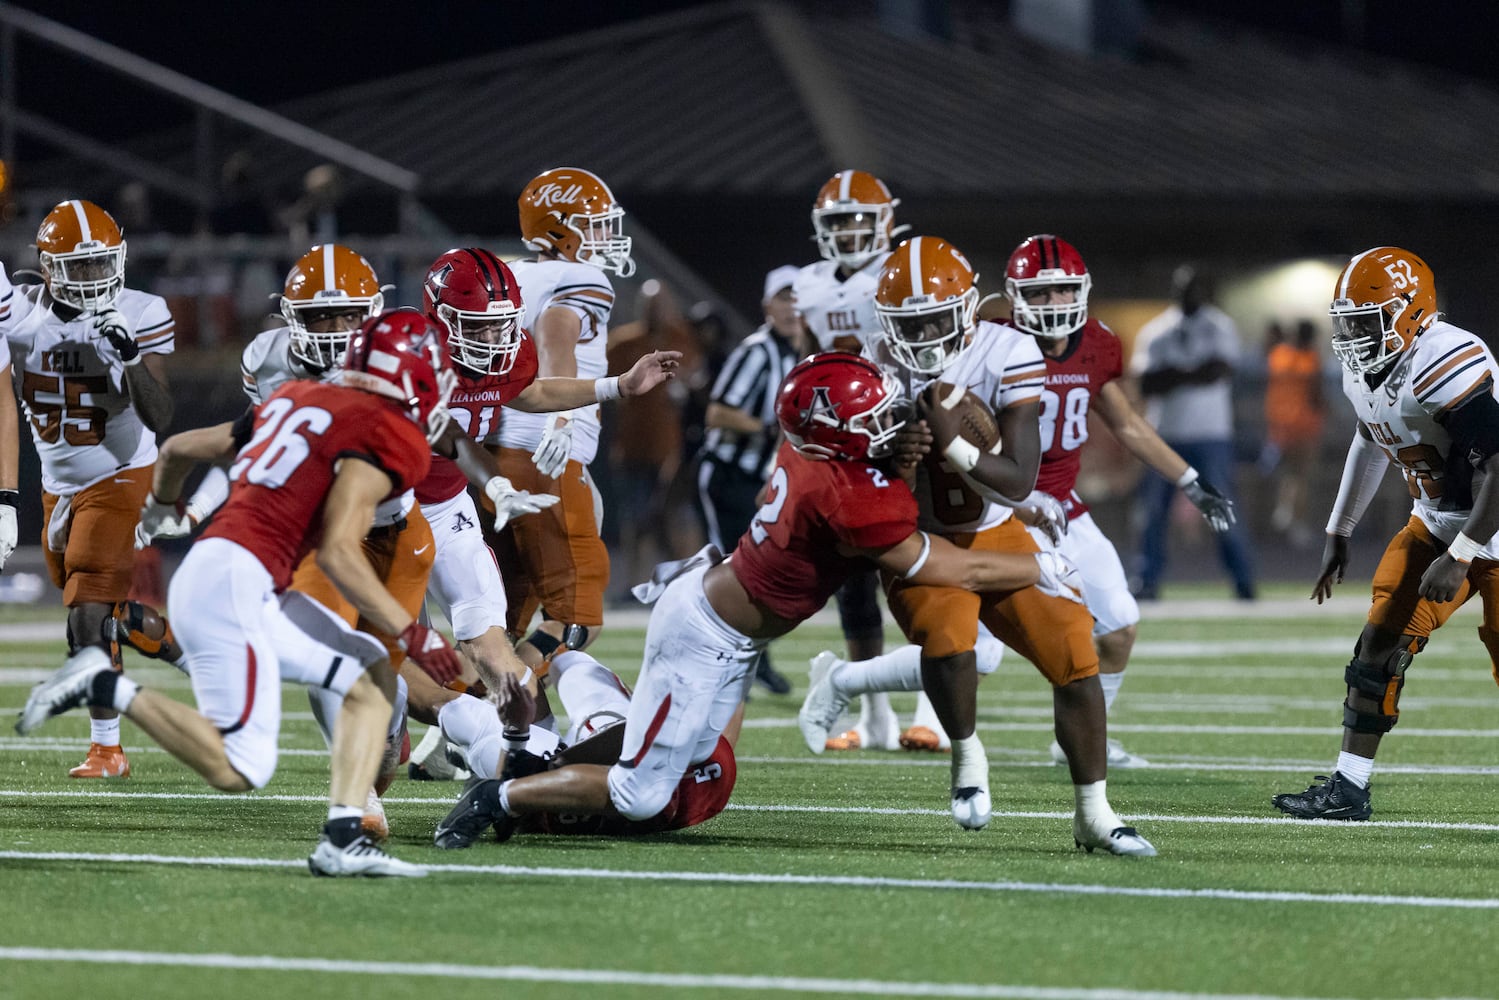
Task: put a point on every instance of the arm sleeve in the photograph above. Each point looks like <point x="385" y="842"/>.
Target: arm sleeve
<point x="1473" y="423"/>
<point x="1362" y="472"/>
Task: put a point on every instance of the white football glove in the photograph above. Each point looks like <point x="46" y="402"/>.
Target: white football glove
<point x="114" y="331"/>
<point x="161" y="520"/>
<point x="8" y="533"/>
<point x="510" y="502"/>
<point x="556" y="446"/>
<point x="1059" y="577"/>
<point x="1047" y="513"/>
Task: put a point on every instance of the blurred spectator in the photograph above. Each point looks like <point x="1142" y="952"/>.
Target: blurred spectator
<point x="742" y="430"/>
<point x="1295" y="412"/>
<point x="1184" y="359"/>
<point x="239" y="207"/>
<point x="653" y="521"/>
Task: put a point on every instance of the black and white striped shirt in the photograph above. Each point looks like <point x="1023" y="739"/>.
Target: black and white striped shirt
<point x="750" y="379"/>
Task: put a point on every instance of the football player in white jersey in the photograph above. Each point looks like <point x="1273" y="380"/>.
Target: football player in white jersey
<point x="927" y="302"/>
<point x="1423" y="392"/>
<point x="10" y="443"/>
<point x="92" y="355"/>
<point x="853" y="222"/>
<point x="556" y="560"/>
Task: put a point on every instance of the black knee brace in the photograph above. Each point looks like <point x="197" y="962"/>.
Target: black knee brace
<point x="1380" y="680"/>
<point x="858" y="611"/>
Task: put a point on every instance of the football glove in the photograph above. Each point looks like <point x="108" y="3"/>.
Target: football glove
<point x="8" y="533"/>
<point x="1048" y="513"/>
<point x="1217" y="509"/>
<point x="510" y="502"/>
<point x="113" y="330"/>
<point x="161" y="520"/>
<point x="556" y="445"/>
<point x="430" y="651"/>
<point x="1059" y="577"/>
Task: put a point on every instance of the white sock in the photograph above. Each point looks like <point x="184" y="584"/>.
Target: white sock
<point x="875" y="705"/>
<point x="105" y="732"/>
<point x="970" y="765"/>
<point x="896" y="671"/>
<point x="474" y="727"/>
<point x="926" y="715"/>
<point x="1111" y="684"/>
<point x="325" y="708"/>
<point x="125" y="692"/>
<point x="345" y="812"/>
<point x="505" y="799"/>
<point x="1093" y="805"/>
<point x="1355" y="768"/>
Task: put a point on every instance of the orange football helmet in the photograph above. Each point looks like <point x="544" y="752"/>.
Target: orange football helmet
<point x="853" y="218"/>
<point x="927" y="302"/>
<point x="82" y="255"/>
<point x="572" y="213"/>
<point x="328" y="276"/>
<point x="1383" y="299"/>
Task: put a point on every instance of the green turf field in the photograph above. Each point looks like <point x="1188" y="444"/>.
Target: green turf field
<point x="826" y="876"/>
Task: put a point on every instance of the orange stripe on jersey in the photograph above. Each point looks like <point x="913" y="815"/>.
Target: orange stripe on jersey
<point x="1434" y="377"/>
<point x="590" y="293"/>
<point x="1467" y="393"/>
<point x="1024" y="376"/>
<point x="156" y="339"/>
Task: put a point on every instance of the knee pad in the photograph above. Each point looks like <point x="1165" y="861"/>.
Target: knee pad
<point x="1380" y="680"/>
<point x="1491" y="643"/>
<point x="635" y="795"/>
<point x="989" y="651"/>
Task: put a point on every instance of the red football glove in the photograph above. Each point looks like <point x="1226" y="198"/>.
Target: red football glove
<point x="430" y="651"/>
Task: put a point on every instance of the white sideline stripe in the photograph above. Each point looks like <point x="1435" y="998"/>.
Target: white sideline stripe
<point x="1179" y="728"/>
<point x="1156" y="764"/>
<point x="797" y="809"/>
<point x="610" y="977"/>
<point x="819" y="881"/>
<point x="20" y="744"/>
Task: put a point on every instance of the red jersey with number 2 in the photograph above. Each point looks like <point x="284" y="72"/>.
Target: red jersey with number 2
<point x="475" y="406"/>
<point x="789" y="560"/>
<point x="282" y="476"/>
<point x="1092" y="359"/>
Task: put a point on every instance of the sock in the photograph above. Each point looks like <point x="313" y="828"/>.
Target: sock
<point x="1110" y="684"/>
<point x="343" y="826"/>
<point x="970" y="765"/>
<point x="1355" y="768"/>
<point x="505" y="799"/>
<point x="875" y="707"/>
<point x="926" y="716"/>
<point x="896" y="671"/>
<point x="1093" y="806"/>
<point x="473" y="727"/>
<point x="325" y="708"/>
<point x="105" y="732"/>
<point x="111" y="690"/>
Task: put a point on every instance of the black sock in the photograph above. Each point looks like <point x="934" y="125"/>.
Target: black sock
<point x="101" y="693"/>
<point x="343" y="832"/>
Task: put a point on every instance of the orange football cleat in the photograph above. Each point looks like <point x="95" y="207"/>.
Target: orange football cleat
<point x="374" y="823"/>
<point x="923" y="738"/>
<point x="848" y="740"/>
<point x="102" y="762"/>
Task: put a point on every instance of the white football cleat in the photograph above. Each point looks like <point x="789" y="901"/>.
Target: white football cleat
<point x="1118" y="756"/>
<point x="879" y="729"/>
<point x="65" y="689"/>
<point x="1124" y="841"/>
<point x="360" y="857"/>
<point x="971" y="808"/>
<point x="823" y="705"/>
<point x="430" y="761"/>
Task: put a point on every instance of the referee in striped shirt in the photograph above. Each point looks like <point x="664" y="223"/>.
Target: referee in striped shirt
<point x="742" y="430"/>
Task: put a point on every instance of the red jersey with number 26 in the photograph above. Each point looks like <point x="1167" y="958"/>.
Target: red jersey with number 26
<point x="789" y="559"/>
<point x="281" y="477"/>
<point x="475" y="406"/>
<point x="1093" y="358"/>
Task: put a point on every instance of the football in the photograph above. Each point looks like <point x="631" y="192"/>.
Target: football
<point x="975" y="422"/>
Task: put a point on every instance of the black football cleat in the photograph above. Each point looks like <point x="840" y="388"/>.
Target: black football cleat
<point x="478" y="809"/>
<point x="1330" y="798"/>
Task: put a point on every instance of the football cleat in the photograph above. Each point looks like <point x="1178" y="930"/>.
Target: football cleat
<point x="879" y="729"/>
<point x="770" y="678"/>
<point x="1118" y="756"/>
<point x="1124" y="841"/>
<point x="362" y="856"/>
<point x="925" y="738"/>
<point x="65" y="689"/>
<point x="1330" y="798"/>
<point x="374" y="823"/>
<point x="103" y="762"/>
<point x="430" y="761"/>
<point x="849" y="739"/>
<point x="477" y="809"/>
<point x="822" y="706"/>
<point x="971" y="808"/>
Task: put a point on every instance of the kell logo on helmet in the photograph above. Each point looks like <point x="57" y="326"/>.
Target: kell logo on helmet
<point x="555" y="194"/>
<point x="822" y="408"/>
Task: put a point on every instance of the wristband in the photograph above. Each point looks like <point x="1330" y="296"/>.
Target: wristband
<point x="1186" y="478"/>
<point x="10" y="498"/>
<point x="605" y="389"/>
<point x="513" y="742"/>
<point x="133" y="361"/>
<point x="961" y="453"/>
<point x="1463" y="548"/>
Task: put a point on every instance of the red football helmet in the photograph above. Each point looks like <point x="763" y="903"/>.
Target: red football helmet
<point x="1040" y="264"/>
<point x="1384" y="298"/>
<point x="399" y="355"/>
<point x="571" y="212"/>
<point x="475" y="297"/>
<point x="82" y="255"/>
<point x="839" y="405"/>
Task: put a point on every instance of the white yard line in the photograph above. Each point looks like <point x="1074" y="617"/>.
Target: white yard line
<point x="601" y="977"/>
<point x="816" y="881"/>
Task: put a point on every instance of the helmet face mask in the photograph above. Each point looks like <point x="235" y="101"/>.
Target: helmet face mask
<point x="329" y="292"/>
<point x="927" y="304"/>
<point x="81" y="254"/>
<point x="838" y="406"/>
<point x="1364" y="338"/>
<point x="1039" y="268"/>
<point x="475" y="298"/>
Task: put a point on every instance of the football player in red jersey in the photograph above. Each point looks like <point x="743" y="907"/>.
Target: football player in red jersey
<point x="312" y="463"/>
<point x="1047" y="284"/>
<point x="832" y="508"/>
